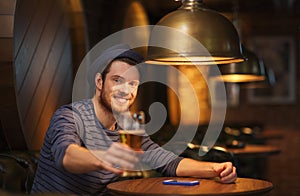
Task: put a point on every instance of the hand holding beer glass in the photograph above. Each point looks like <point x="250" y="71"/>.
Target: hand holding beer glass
<point x="131" y="133"/>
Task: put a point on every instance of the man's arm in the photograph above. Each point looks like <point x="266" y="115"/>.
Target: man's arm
<point x="189" y="167"/>
<point x="81" y="160"/>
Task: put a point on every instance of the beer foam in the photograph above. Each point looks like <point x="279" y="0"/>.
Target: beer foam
<point x="133" y="132"/>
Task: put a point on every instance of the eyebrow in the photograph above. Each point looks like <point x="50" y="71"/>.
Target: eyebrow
<point x="117" y="76"/>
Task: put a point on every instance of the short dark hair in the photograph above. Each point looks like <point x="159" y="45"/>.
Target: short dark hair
<point x="123" y="59"/>
<point x="103" y="62"/>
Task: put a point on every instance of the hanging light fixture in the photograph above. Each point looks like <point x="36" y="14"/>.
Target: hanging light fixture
<point x="250" y="70"/>
<point x="268" y="82"/>
<point x="217" y="35"/>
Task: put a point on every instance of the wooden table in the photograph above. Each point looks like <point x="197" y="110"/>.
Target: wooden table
<point x="154" y="186"/>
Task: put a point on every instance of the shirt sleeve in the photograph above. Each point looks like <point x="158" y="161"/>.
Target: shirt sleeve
<point x="63" y="131"/>
<point x="164" y="161"/>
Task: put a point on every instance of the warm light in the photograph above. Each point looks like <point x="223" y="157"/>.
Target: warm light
<point x="268" y="82"/>
<point x="250" y="70"/>
<point x="194" y="60"/>
<point x="236" y="78"/>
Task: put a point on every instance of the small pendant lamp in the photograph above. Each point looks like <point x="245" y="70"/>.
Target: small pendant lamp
<point x="250" y="70"/>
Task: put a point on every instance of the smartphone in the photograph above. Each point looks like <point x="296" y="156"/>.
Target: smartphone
<point x="182" y="183"/>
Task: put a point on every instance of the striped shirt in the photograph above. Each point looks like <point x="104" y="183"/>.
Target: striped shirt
<point x="76" y="123"/>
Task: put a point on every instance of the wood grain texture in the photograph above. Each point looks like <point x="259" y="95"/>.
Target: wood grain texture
<point x="208" y="187"/>
<point x="42" y="63"/>
<point x="27" y="53"/>
<point x="36" y="67"/>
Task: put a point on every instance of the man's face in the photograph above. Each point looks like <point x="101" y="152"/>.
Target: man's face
<point x="120" y="87"/>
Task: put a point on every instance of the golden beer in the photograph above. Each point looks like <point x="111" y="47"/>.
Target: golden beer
<point x="132" y="138"/>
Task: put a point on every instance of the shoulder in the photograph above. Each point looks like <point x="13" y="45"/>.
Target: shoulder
<point x="70" y="112"/>
<point x="82" y="106"/>
<point x="67" y="118"/>
<point x="77" y="106"/>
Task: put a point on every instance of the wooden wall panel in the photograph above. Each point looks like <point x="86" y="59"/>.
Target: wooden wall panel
<point x="6" y="24"/>
<point x="59" y="92"/>
<point x="31" y="40"/>
<point x="7" y="7"/>
<point x="9" y="118"/>
<point x="6" y="71"/>
<point x="25" y="11"/>
<point x="6" y="49"/>
<point x="36" y="66"/>
<point x="43" y="90"/>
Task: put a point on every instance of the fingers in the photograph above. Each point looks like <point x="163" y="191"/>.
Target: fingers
<point x="112" y="169"/>
<point x="124" y="153"/>
<point x="120" y="161"/>
<point x="118" y="157"/>
<point x="227" y="172"/>
<point x="226" y="169"/>
<point x="230" y="177"/>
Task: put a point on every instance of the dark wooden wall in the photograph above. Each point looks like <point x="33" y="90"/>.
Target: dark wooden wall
<point x="37" y="66"/>
<point x="9" y="119"/>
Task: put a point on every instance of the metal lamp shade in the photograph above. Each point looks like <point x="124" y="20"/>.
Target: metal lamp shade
<point x="194" y="35"/>
<point x="250" y="70"/>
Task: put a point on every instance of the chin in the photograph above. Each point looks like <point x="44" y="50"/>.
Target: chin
<point x="120" y="109"/>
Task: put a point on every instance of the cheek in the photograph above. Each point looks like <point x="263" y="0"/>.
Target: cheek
<point x="109" y="88"/>
<point x="134" y="93"/>
<point x="116" y="88"/>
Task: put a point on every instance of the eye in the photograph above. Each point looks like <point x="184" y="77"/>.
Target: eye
<point x="134" y="83"/>
<point x="118" y="80"/>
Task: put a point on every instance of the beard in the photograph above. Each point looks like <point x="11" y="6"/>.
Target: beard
<point x="111" y="104"/>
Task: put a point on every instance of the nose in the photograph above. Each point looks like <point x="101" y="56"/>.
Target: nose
<point x="125" y="88"/>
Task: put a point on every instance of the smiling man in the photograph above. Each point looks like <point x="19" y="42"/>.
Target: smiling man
<point x="82" y="152"/>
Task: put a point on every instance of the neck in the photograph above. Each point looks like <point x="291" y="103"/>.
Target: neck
<point x="106" y="117"/>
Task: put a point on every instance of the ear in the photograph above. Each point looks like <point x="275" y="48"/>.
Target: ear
<point x="98" y="81"/>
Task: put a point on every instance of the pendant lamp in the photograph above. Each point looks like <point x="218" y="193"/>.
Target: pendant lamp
<point x="188" y="27"/>
<point x="268" y="82"/>
<point x="253" y="69"/>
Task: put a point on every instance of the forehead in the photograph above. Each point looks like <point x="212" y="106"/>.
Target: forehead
<point x="120" y="68"/>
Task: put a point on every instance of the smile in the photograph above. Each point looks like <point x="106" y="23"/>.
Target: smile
<point x="121" y="100"/>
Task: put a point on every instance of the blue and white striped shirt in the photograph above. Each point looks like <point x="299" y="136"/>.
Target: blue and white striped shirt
<point x="77" y="124"/>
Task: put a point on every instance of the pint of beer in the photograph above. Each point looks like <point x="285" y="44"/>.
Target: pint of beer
<point x="131" y="133"/>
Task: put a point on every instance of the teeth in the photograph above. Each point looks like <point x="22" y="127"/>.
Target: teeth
<point x="121" y="100"/>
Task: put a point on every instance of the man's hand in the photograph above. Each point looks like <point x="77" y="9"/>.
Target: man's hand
<point x="226" y="172"/>
<point x="118" y="157"/>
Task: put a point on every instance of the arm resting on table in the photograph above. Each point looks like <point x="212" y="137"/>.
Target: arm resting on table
<point x="189" y="167"/>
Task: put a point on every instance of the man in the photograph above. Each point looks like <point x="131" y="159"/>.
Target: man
<point x="81" y="153"/>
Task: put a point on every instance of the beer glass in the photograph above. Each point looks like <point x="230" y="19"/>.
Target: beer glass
<point x="131" y="133"/>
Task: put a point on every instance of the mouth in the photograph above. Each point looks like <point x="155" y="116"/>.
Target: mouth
<point x="121" y="100"/>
